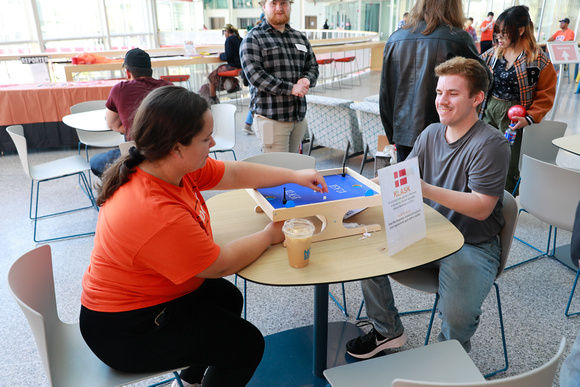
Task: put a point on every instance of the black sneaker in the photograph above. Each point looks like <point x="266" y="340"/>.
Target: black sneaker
<point x="367" y="346"/>
<point x="214" y="100"/>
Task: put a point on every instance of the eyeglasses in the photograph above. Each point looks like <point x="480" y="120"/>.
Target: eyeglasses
<point x="500" y="35"/>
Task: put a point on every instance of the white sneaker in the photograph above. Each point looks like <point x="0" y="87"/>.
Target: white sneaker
<point x="248" y="130"/>
<point x="185" y="384"/>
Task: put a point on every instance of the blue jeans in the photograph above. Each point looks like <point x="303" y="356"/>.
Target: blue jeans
<point x="465" y="279"/>
<point x="102" y="161"/>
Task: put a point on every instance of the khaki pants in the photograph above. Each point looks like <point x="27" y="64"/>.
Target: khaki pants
<point x="279" y="136"/>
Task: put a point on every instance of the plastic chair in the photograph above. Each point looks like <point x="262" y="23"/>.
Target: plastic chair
<point x="575" y="255"/>
<point x="295" y="161"/>
<point x="542" y="376"/>
<point x="177" y="79"/>
<point x="224" y="128"/>
<point x="440" y="364"/>
<point x="537" y="143"/>
<point x="550" y="194"/>
<point x="426" y="279"/>
<point x="68" y="166"/>
<point x="108" y="139"/>
<point x="66" y="358"/>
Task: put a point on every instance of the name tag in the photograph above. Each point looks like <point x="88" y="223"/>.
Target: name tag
<point x="301" y="47"/>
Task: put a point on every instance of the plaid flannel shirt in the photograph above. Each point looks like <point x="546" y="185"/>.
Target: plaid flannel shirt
<point x="273" y="62"/>
<point x="536" y="81"/>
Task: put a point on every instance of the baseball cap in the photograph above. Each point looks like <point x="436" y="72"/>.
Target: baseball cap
<point x="137" y="58"/>
<point x="565" y="20"/>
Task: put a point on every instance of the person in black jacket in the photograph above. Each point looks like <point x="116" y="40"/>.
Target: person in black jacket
<point x="232" y="56"/>
<point x="433" y="34"/>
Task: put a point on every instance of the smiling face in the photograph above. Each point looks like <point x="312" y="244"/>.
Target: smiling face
<point x="277" y="12"/>
<point x="455" y="107"/>
<point x="195" y="154"/>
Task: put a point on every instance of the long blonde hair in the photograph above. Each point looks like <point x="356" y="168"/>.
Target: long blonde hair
<point x="435" y="12"/>
<point x="509" y="22"/>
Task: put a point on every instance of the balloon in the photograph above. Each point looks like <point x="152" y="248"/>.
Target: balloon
<point x="516" y="111"/>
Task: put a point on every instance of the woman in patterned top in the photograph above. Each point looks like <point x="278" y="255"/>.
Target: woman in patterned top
<point x="523" y="75"/>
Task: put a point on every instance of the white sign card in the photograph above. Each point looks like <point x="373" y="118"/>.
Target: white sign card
<point x="402" y="204"/>
<point x="189" y="48"/>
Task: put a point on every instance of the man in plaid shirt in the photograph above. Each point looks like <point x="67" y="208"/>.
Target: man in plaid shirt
<point x="280" y="66"/>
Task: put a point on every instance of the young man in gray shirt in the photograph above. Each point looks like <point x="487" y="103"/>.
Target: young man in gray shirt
<point x="463" y="164"/>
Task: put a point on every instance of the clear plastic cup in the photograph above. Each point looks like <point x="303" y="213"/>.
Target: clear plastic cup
<point x="298" y="234"/>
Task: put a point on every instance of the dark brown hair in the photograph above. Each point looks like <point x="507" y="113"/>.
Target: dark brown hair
<point x="167" y="116"/>
<point x="509" y="22"/>
<point x="435" y="12"/>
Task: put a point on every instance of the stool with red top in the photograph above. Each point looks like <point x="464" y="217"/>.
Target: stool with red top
<point x="323" y="64"/>
<point x="353" y="70"/>
<point x="178" y="79"/>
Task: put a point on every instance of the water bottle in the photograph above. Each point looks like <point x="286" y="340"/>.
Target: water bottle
<point x="510" y="134"/>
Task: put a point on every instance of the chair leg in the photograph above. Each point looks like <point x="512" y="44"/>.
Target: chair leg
<point x="542" y="253"/>
<point x="567" y="312"/>
<point x="432" y="318"/>
<point x="343" y="306"/>
<point x="358" y="316"/>
<point x="36" y="217"/>
<point x="505" y="355"/>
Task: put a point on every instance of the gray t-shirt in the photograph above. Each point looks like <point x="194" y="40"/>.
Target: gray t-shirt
<point x="478" y="161"/>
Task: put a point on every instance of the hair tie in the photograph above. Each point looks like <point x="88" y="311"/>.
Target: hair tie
<point x="136" y="158"/>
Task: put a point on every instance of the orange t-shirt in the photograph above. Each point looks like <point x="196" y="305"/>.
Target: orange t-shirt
<point x="152" y="239"/>
<point x="487" y="34"/>
<point x="563" y="36"/>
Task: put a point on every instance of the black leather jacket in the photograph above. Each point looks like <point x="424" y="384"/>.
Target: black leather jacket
<point x="407" y="93"/>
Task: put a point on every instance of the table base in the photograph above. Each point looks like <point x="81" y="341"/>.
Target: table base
<point x="287" y="358"/>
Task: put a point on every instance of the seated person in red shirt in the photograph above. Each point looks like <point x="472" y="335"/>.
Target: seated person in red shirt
<point x="124" y="99"/>
<point x="564" y="34"/>
<point x="153" y="295"/>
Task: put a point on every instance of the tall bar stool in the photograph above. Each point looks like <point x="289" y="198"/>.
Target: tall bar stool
<point x="178" y="79"/>
<point x="322" y="63"/>
<point x="350" y="61"/>
<point x="232" y="74"/>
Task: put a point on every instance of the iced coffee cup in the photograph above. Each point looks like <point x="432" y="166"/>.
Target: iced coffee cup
<point x="298" y="234"/>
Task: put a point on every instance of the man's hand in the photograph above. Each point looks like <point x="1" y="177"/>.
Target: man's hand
<point x="300" y="89"/>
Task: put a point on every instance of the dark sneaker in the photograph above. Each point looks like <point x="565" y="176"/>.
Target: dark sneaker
<point x="235" y="89"/>
<point x="367" y="346"/>
<point x="213" y="100"/>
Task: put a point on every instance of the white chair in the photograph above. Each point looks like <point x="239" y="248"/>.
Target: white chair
<point x="68" y="166"/>
<point x="426" y="279"/>
<point x="550" y="194"/>
<point x="537" y="143"/>
<point x="575" y="255"/>
<point x="108" y="139"/>
<point x="66" y="358"/>
<point x="224" y="128"/>
<point x="542" y="376"/>
<point x="371" y="126"/>
<point x="440" y="364"/>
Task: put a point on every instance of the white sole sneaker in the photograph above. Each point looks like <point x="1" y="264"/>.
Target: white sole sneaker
<point x="389" y="344"/>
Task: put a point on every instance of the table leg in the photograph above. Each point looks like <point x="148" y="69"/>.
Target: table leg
<point x="320" y="329"/>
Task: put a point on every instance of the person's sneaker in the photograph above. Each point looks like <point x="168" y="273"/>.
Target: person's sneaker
<point x="367" y="346"/>
<point x="213" y="100"/>
<point x="248" y="129"/>
<point x="235" y="89"/>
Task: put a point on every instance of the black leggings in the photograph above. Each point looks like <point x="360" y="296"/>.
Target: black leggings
<point x="202" y="330"/>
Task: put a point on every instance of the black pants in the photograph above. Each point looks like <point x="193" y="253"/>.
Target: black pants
<point x="485" y="45"/>
<point x="202" y="330"/>
<point x="403" y="151"/>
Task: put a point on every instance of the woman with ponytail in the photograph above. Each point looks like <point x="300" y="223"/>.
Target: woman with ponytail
<point x="153" y="295"/>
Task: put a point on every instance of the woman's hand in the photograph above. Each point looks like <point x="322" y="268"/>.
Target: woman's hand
<point x="310" y="178"/>
<point x="522" y="122"/>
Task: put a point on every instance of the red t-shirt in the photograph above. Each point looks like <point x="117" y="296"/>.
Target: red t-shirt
<point x="125" y="97"/>
<point x="152" y="239"/>
<point x="563" y="36"/>
<point x="487" y="34"/>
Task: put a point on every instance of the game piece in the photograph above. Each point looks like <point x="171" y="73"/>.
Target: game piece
<point x="290" y="204"/>
<point x="369" y="192"/>
<point x="284" y="201"/>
